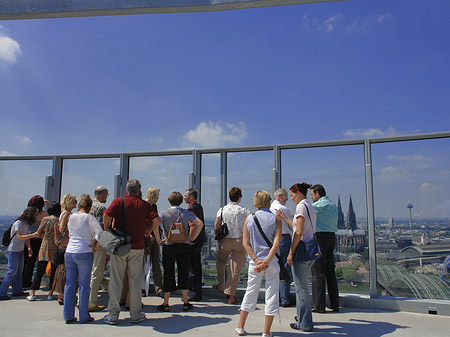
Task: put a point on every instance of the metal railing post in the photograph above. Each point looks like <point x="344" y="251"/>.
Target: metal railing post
<point x="120" y="182"/>
<point x="53" y="183"/>
<point x="370" y="218"/>
<point x="276" y="171"/>
<point x="223" y="178"/>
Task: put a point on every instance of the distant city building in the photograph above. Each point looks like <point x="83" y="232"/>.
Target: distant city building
<point x="341" y="221"/>
<point x="391" y="223"/>
<point x="348" y="235"/>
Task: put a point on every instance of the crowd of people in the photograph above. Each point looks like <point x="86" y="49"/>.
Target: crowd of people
<point x="65" y="244"/>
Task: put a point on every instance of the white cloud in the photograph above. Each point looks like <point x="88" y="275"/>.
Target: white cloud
<point x="144" y="164"/>
<point x="7" y="154"/>
<point x="23" y="139"/>
<point x="374" y="132"/>
<point x="418" y="157"/>
<point x="327" y="25"/>
<point x="383" y="17"/>
<point x="209" y="134"/>
<point x="391" y="172"/>
<point x="9" y="49"/>
<point x="427" y="188"/>
<point x="358" y="25"/>
<point x="443" y="172"/>
<point x="209" y="180"/>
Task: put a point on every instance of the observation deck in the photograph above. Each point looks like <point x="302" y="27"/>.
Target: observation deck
<point x="211" y="317"/>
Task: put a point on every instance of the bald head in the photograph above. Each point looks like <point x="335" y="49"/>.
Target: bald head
<point x="101" y="193"/>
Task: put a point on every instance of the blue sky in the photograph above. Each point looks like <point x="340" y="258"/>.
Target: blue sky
<point x="338" y="70"/>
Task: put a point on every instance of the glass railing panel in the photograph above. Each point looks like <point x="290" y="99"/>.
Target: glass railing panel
<point x="19" y="181"/>
<point x="82" y="176"/>
<point x="251" y="172"/>
<point x="412" y="212"/>
<point x="210" y="183"/>
<point x="341" y="171"/>
<point x="168" y="173"/>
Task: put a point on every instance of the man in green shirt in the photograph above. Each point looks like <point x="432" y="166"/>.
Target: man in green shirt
<point x="323" y="268"/>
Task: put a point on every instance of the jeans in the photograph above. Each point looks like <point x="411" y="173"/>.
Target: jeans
<point x="78" y="266"/>
<point x="304" y="314"/>
<point x="323" y="272"/>
<point x="285" y="287"/>
<point x="14" y="274"/>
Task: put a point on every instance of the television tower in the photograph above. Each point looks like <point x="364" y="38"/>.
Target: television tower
<point x="409" y="206"/>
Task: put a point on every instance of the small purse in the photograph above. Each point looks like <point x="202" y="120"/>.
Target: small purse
<point x="284" y="274"/>
<point x="308" y="250"/>
<point x="222" y="231"/>
<point x="115" y="241"/>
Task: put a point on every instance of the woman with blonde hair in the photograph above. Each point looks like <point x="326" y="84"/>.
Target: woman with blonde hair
<point x="263" y="262"/>
<point x="84" y="229"/>
<point x="154" y="241"/>
<point x="68" y="203"/>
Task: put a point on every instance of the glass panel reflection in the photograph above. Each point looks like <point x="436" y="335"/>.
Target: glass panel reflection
<point x="411" y="184"/>
<point x="19" y="181"/>
<point x="82" y="176"/>
<point x="211" y="203"/>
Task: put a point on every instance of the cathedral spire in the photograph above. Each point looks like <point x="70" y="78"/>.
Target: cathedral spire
<point x="351" y="217"/>
<point x="341" y="221"/>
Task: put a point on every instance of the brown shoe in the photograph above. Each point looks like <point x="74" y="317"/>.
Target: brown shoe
<point x="96" y="308"/>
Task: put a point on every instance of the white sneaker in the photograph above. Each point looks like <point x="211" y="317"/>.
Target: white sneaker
<point x="240" y="331"/>
<point x="31" y="298"/>
<point x="267" y="335"/>
<point x="50" y="298"/>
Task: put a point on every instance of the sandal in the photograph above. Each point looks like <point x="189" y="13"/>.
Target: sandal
<point x="187" y="306"/>
<point x="216" y="286"/>
<point x="72" y="320"/>
<point x="163" y="308"/>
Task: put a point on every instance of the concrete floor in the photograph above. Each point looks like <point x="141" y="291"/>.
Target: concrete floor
<point x="212" y="317"/>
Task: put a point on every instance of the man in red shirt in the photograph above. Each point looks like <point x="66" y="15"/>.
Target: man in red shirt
<point x="137" y="212"/>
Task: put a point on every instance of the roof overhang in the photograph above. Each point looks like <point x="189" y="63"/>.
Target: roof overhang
<point x="45" y="9"/>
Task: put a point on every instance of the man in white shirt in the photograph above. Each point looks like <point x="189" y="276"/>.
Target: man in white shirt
<point x="234" y="215"/>
<point x="280" y="198"/>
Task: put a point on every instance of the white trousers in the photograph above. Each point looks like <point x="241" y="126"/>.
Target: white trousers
<point x="272" y="277"/>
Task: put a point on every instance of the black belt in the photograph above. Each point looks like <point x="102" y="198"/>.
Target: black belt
<point x="285" y="234"/>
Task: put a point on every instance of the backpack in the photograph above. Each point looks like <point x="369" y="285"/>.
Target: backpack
<point x="7" y="237"/>
<point x="177" y="232"/>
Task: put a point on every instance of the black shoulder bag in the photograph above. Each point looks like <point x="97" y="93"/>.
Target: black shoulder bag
<point x="113" y="240"/>
<point x="222" y="231"/>
<point x="284" y="274"/>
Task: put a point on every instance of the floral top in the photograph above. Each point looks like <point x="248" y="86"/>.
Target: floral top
<point x="47" y="231"/>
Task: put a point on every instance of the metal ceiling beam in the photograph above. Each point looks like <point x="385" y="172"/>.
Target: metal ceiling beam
<point x="46" y="9"/>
